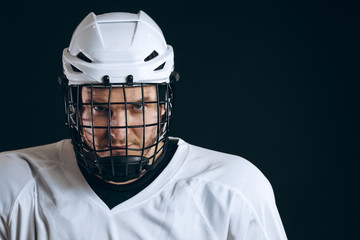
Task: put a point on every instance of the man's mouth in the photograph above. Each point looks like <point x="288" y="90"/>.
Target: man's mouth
<point x="120" y="147"/>
<point x="121" y="150"/>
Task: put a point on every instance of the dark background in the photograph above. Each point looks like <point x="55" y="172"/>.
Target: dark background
<point x="276" y="82"/>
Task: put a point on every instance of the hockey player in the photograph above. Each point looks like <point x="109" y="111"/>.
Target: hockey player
<point x="121" y="176"/>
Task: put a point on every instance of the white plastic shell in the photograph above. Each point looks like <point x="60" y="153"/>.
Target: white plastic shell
<point x="117" y="45"/>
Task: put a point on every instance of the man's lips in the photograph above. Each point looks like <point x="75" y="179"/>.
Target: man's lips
<point x="119" y="150"/>
<point x="122" y="147"/>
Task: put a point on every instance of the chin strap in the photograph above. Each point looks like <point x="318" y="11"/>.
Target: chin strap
<point x="120" y="168"/>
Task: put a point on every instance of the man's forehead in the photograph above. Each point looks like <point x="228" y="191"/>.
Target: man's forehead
<point x="131" y="92"/>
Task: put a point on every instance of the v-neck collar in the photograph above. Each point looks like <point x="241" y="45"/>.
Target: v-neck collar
<point x="75" y="176"/>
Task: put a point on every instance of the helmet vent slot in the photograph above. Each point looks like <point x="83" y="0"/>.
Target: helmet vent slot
<point x="84" y="58"/>
<point x="160" y="67"/>
<point x="75" y="69"/>
<point x="152" y="55"/>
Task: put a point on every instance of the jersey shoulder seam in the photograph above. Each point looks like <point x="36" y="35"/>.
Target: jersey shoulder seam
<point x="203" y="215"/>
<point x="18" y="196"/>
<point x="237" y="192"/>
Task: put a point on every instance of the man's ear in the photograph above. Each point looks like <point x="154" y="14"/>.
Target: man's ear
<point x="162" y="110"/>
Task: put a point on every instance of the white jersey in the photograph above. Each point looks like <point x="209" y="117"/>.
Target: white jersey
<point x="201" y="194"/>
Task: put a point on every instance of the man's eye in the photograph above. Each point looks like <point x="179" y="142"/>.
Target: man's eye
<point x="138" y="106"/>
<point x="100" y="108"/>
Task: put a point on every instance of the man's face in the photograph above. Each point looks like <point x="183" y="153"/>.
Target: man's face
<point x="119" y="115"/>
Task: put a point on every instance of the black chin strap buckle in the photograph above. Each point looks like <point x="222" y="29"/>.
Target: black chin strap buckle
<point x="174" y="77"/>
<point x="63" y="81"/>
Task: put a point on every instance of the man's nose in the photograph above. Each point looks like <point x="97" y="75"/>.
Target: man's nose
<point x="118" y="125"/>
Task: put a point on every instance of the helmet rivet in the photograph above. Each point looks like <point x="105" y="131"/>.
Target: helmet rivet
<point x="106" y="80"/>
<point x="130" y="79"/>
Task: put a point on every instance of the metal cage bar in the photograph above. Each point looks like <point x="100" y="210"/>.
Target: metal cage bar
<point x="109" y="131"/>
<point x="144" y="124"/>
<point x="79" y="131"/>
<point x="126" y="133"/>
<point x="92" y="125"/>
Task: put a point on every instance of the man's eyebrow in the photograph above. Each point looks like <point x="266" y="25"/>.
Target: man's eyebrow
<point x="140" y="99"/>
<point x="104" y="99"/>
<point x="96" y="97"/>
<point x="99" y="97"/>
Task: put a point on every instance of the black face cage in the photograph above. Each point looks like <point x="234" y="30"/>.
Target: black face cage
<point x="113" y="167"/>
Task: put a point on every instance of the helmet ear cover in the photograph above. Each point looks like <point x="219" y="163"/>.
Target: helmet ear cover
<point x="116" y="168"/>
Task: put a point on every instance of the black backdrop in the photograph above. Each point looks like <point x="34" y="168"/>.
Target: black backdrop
<point x="273" y="81"/>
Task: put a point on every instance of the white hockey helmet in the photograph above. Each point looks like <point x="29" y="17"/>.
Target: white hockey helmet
<point x="118" y="48"/>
